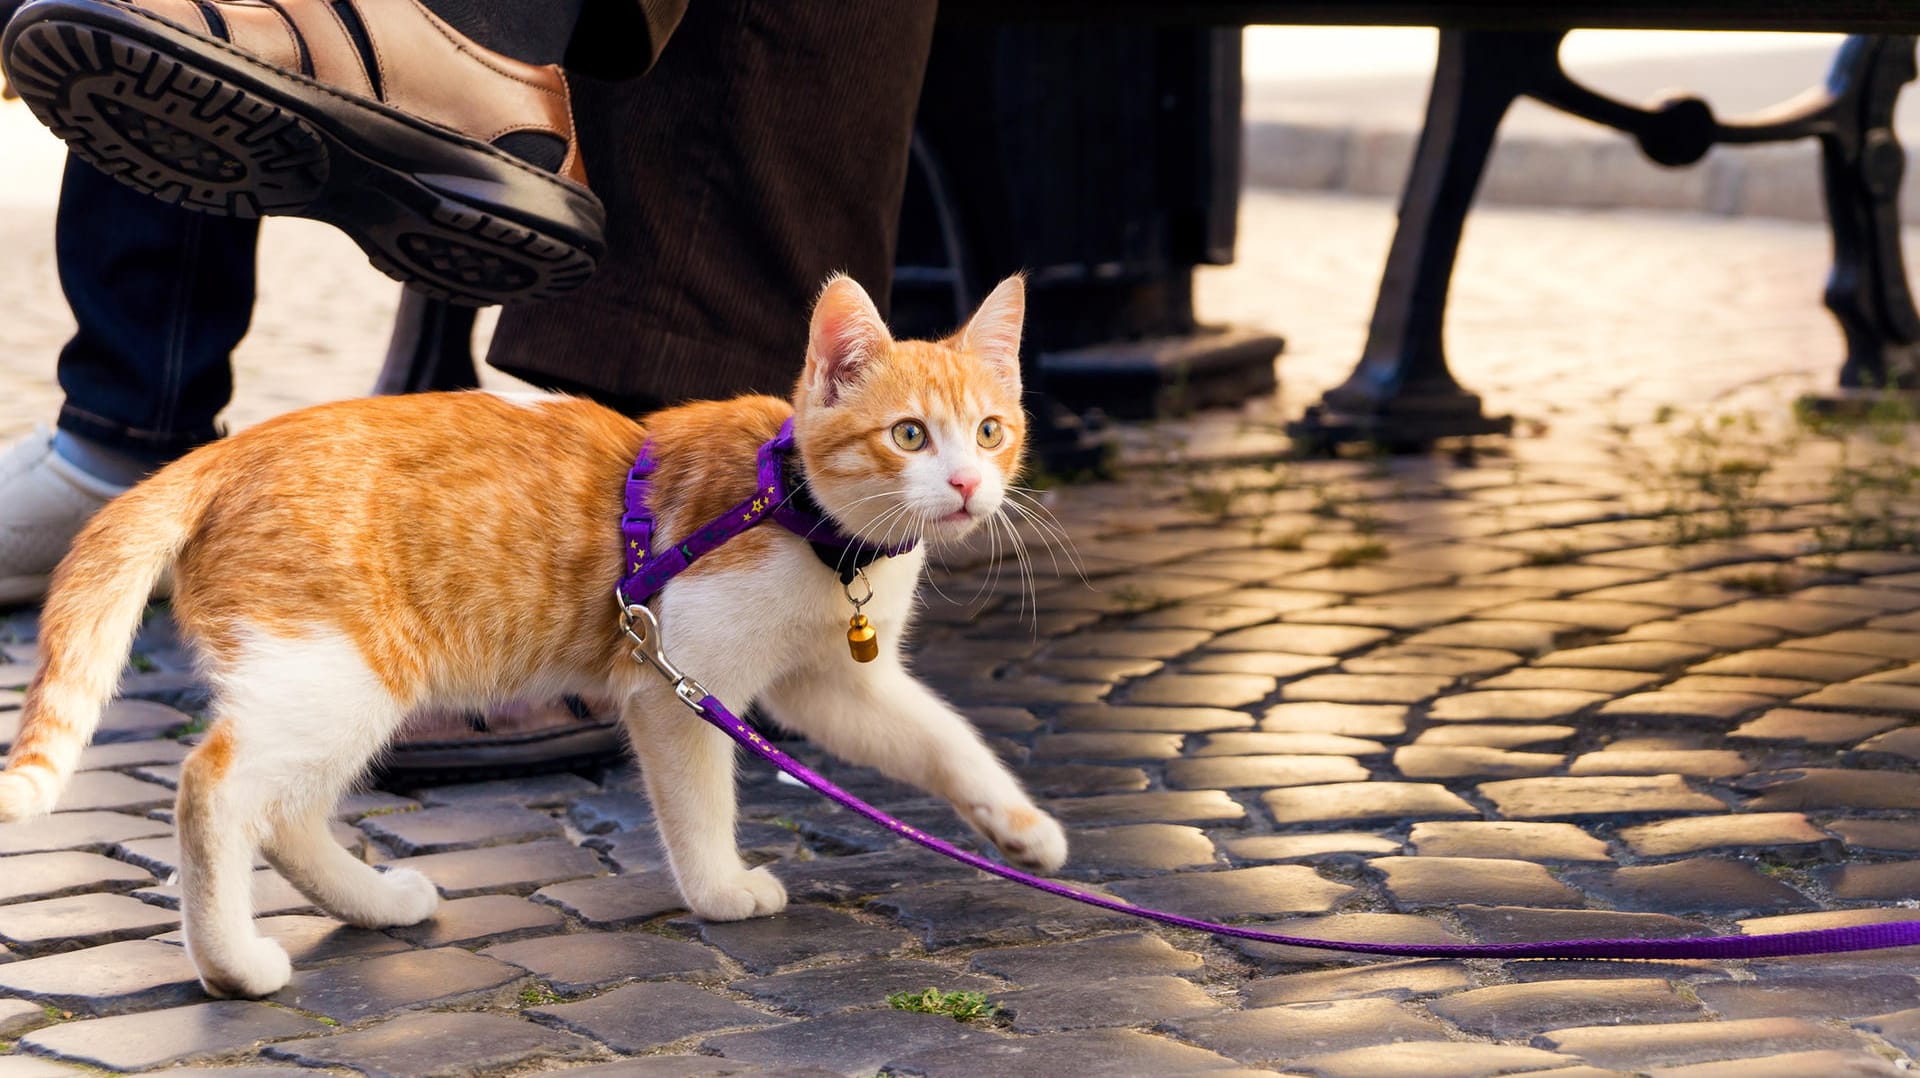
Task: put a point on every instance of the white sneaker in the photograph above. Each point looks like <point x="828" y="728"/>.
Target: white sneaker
<point x="44" y="502"/>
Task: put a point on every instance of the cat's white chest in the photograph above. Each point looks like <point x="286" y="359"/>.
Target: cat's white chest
<point x="741" y="632"/>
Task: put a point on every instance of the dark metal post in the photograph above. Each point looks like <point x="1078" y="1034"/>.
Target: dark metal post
<point x="1862" y="164"/>
<point x="431" y="347"/>
<point x="1402" y="391"/>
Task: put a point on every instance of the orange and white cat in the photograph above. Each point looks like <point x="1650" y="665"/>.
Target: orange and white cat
<point x="340" y="566"/>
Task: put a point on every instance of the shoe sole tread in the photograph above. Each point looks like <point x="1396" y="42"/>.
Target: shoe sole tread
<point x="208" y="134"/>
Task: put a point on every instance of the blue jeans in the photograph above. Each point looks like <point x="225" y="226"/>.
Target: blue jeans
<point x="162" y="296"/>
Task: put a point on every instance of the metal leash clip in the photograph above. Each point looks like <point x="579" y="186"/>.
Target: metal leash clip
<point x="641" y="627"/>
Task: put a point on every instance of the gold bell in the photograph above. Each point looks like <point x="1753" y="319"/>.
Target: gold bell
<point x="862" y="640"/>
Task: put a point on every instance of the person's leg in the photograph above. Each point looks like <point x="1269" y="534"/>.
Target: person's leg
<point x="766" y="149"/>
<point x="161" y="297"/>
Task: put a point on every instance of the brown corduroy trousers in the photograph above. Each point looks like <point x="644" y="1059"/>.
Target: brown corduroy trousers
<point x="766" y="149"/>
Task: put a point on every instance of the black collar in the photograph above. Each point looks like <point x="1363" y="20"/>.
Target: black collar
<point x="844" y="557"/>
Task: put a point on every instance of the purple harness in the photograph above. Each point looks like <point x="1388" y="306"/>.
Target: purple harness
<point x="779" y="496"/>
<point x="647" y="573"/>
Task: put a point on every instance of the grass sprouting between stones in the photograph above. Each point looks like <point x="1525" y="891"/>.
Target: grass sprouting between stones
<point x="959" y="1006"/>
<point x="1353" y="554"/>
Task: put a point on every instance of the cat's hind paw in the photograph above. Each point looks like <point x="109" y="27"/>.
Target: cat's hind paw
<point x="1027" y="837"/>
<point x="748" y="893"/>
<point x="259" y="967"/>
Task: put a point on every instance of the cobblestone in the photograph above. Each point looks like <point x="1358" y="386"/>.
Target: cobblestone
<point x="1308" y="847"/>
<point x="1114" y="1001"/>
<point x="134" y="975"/>
<point x="80" y="920"/>
<point x="48" y="875"/>
<point x="584" y="961"/>
<point x="1774" y="832"/>
<point x="1393" y="980"/>
<point x="1693" y="885"/>
<point x="435" y="1045"/>
<point x="1245" y="892"/>
<point x="798" y="935"/>
<point x="1852" y="996"/>
<point x="1432" y="1059"/>
<point x="1516" y="1010"/>
<point x="1282" y="1035"/>
<point x="1237" y="772"/>
<point x="1815" y="727"/>
<point x="1141" y="848"/>
<point x="1349" y="720"/>
<point x="135" y="1042"/>
<point x="858" y="1043"/>
<point x="521" y="869"/>
<point x="1287" y="744"/>
<point x="1173" y="720"/>
<point x="454" y="827"/>
<point x="1856" y="1063"/>
<point x="642" y="1016"/>
<point x="1100" y="958"/>
<point x="1424" y="882"/>
<point x="1516" y="705"/>
<point x="614" y="901"/>
<point x="17" y="1016"/>
<point x="1550" y="798"/>
<point x="483" y="919"/>
<point x="949" y="914"/>
<point x="77" y="831"/>
<point x="352" y="991"/>
<point x="1364" y="801"/>
<point x="1639" y="1047"/>
<point x="1533" y="841"/>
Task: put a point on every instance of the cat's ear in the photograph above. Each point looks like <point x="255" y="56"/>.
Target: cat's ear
<point x="847" y="334"/>
<point x="993" y="333"/>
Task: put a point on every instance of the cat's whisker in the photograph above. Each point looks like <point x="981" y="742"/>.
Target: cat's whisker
<point x="1052" y="524"/>
<point x="992" y="575"/>
<point x="1044" y="520"/>
<point x="1041" y="529"/>
<point x="1026" y="568"/>
<point x="1013" y="544"/>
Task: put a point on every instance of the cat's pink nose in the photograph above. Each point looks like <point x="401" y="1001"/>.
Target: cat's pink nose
<point x="966" y="481"/>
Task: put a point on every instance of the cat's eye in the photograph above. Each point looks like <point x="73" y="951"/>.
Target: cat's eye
<point x="991" y="433"/>
<point x="910" y="435"/>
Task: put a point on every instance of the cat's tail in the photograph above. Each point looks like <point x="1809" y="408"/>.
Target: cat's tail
<point x="93" y="609"/>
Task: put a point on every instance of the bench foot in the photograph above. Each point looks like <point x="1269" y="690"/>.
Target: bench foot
<point x="1862" y="166"/>
<point x="1402" y="393"/>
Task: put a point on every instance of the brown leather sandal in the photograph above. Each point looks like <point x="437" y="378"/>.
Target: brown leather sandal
<point x="453" y="167"/>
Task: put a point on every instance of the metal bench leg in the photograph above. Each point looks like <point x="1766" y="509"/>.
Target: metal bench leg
<point x="431" y="348"/>
<point x="1862" y="165"/>
<point x="1401" y="393"/>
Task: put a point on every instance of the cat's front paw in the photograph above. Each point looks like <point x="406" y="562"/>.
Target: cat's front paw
<point x="1028" y="837"/>
<point x="748" y="893"/>
<point x="407" y="897"/>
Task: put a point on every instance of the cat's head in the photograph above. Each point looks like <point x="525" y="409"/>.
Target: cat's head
<point x="910" y="439"/>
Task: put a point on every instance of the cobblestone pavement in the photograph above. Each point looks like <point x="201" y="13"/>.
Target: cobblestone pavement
<point x="1481" y="698"/>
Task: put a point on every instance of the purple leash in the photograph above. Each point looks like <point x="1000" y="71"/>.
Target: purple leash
<point x="640" y="626"/>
